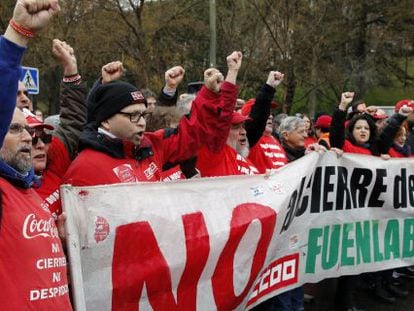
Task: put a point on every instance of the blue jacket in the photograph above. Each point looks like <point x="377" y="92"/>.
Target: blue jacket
<point x="10" y="59"/>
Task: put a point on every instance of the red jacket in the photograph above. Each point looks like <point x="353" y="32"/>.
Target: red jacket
<point x="397" y="152"/>
<point x="32" y="262"/>
<point x="107" y="161"/>
<point x="267" y="154"/>
<point x="309" y="140"/>
<point x="57" y="163"/>
<point x="224" y="163"/>
<point x="351" y="148"/>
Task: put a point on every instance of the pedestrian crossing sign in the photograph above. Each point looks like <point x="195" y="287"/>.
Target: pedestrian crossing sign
<point x="30" y="77"/>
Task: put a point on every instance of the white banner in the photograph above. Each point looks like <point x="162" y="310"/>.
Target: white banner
<point x="232" y="242"/>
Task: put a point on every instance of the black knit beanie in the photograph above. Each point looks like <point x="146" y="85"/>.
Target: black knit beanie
<point x="105" y="100"/>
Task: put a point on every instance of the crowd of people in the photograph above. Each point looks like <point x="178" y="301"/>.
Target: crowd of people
<point x="118" y="133"/>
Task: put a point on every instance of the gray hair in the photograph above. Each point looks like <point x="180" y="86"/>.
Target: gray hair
<point x="290" y="124"/>
<point x="184" y="103"/>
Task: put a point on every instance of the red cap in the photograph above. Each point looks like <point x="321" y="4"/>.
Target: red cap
<point x="247" y="107"/>
<point x="238" y="118"/>
<point x="404" y="102"/>
<point x="323" y="121"/>
<point x="34" y="122"/>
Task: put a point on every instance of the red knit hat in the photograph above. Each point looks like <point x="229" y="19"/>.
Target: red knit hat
<point x="324" y="121"/>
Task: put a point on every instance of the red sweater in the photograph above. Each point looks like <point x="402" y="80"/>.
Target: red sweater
<point x="32" y="262"/>
<point x="224" y="163"/>
<point x="267" y="154"/>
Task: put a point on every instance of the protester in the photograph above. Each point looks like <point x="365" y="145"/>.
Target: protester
<point x="29" y="239"/>
<point x="151" y="99"/>
<point x="410" y="121"/>
<point x="52" y="155"/>
<point x="310" y="134"/>
<point x="267" y="153"/>
<point x="276" y="124"/>
<point x="231" y="158"/>
<point x="360" y="136"/>
<point x="292" y="135"/>
<point x="380" y="117"/>
<point x="322" y="126"/>
<point x="115" y="144"/>
<point x="399" y="148"/>
<point x="23" y="100"/>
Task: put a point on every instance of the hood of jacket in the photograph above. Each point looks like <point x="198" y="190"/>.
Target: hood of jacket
<point x="114" y="147"/>
<point x="18" y="179"/>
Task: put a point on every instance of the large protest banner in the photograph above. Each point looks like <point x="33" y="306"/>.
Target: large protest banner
<point x="230" y="243"/>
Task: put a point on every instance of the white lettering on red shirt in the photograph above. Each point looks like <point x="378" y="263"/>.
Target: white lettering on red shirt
<point x="33" y="227"/>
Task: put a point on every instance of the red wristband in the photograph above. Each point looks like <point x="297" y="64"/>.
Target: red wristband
<point x="72" y="79"/>
<point x="21" y="30"/>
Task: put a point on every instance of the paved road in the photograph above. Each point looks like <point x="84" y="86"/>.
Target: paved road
<point x="325" y="294"/>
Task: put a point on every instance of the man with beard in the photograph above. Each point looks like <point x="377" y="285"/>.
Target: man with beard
<point x="115" y="147"/>
<point x="231" y="158"/>
<point x="32" y="263"/>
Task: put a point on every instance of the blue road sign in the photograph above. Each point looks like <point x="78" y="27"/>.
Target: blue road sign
<point x="30" y="77"/>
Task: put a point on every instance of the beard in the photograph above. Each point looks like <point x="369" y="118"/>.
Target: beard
<point x="242" y="150"/>
<point x="16" y="160"/>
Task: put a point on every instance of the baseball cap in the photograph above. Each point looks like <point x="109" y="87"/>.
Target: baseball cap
<point x="238" y="118"/>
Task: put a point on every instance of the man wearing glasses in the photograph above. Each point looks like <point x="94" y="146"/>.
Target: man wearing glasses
<point x="116" y="148"/>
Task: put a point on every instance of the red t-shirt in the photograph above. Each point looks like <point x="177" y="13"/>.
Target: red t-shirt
<point x="224" y="163"/>
<point x="267" y="154"/>
<point x="32" y="263"/>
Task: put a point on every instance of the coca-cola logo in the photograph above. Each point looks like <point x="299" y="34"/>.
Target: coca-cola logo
<point x="101" y="229"/>
<point x="33" y="227"/>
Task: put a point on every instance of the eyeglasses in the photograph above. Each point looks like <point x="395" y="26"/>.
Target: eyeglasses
<point x="17" y="128"/>
<point x="36" y="134"/>
<point x="134" y="117"/>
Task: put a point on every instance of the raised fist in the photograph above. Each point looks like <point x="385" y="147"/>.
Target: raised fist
<point x="234" y="60"/>
<point x="35" y="14"/>
<point x="346" y="99"/>
<point x="275" y="78"/>
<point x="213" y="79"/>
<point x="65" y="54"/>
<point x="173" y="77"/>
<point x="112" y="71"/>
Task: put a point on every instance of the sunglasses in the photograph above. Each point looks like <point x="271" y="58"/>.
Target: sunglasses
<point x="46" y="138"/>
